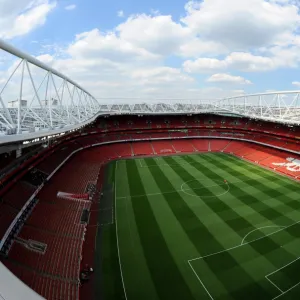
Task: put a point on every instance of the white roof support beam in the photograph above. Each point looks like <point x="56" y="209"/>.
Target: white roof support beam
<point x="58" y="103"/>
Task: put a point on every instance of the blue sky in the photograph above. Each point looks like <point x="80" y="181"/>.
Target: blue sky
<point x="92" y="14"/>
<point x="161" y="48"/>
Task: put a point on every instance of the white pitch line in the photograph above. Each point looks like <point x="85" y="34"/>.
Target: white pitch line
<point x="241" y="245"/>
<point x="208" y="186"/>
<point x="283" y="267"/>
<point x="225" y="250"/>
<point x="283" y="293"/>
<point x="271" y="226"/>
<point x="210" y="296"/>
<point x="176" y="191"/>
<point x="121" y="271"/>
<point x="140" y="163"/>
<point x="274" y="284"/>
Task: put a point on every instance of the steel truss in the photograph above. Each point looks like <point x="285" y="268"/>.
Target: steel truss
<point x="36" y="100"/>
<point x="36" y="97"/>
<point x="281" y="107"/>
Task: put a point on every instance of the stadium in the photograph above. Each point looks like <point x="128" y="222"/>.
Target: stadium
<point x="167" y="199"/>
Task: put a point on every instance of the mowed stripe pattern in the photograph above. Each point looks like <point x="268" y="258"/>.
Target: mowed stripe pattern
<point x="171" y="210"/>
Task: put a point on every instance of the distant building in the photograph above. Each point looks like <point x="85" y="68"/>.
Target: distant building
<point x="15" y="103"/>
<point x="54" y="102"/>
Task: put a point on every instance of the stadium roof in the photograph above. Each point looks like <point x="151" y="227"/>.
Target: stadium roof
<point x="46" y="102"/>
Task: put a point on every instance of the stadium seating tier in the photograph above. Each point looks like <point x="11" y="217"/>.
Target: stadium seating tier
<point x="56" y="222"/>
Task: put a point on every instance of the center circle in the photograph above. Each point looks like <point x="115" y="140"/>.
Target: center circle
<point x="220" y="187"/>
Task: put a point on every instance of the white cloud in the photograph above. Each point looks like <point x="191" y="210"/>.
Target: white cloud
<point x="256" y="35"/>
<point x="248" y="62"/>
<point x="203" y="65"/>
<point x="20" y="17"/>
<point x="244" y="24"/>
<point x="70" y="7"/>
<point x="46" y="59"/>
<point x="241" y="61"/>
<point x="158" y="34"/>
<point x="195" y="47"/>
<point x="133" y="58"/>
<point x="161" y="35"/>
<point x="106" y="79"/>
<point x="120" y="13"/>
<point x="296" y="83"/>
<point x="108" y="65"/>
<point x="109" y="46"/>
<point x="227" y="78"/>
<point x="287" y="56"/>
<point x="161" y="76"/>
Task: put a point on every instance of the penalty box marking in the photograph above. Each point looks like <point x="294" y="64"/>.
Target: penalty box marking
<point x="271" y="226"/>
<point x="242" y="245"/>
<point x="273" y="283"/>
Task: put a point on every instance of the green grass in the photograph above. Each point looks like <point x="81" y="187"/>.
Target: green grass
<point x="183" y="233"/>
<point x="108" y="277"/>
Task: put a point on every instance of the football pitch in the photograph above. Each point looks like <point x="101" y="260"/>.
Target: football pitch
<point x="203" y="226"/>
